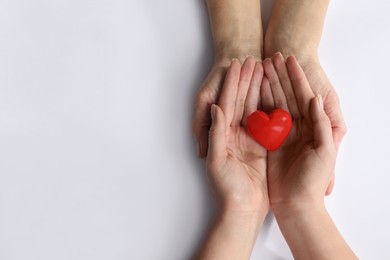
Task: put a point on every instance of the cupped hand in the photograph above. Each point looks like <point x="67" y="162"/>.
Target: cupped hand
<point x="236" y="164"/>
<point x="321" y="85"/>
<point x="301" y="169"/>
<point x="206" y="96"/>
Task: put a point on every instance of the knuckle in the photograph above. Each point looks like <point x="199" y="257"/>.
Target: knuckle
<point x="201" y="98"/>
<point x="290" y="97"/>
<point x="274" y="81"/>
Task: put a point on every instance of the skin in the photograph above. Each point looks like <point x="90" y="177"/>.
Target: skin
<point x="290" y="33"/>
<point x="299" y="172"/>
<point x="243" y="37"/>
<point x="296" y="199"/>
<point x="236" y="35"/>
<point x="246" y="179"/>
<point x="236" y="167"/>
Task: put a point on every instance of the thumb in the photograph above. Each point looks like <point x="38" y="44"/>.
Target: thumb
<point x="217" y="134"/>
<point x="322" y="130"/>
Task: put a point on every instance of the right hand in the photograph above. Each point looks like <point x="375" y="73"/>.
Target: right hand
<point x="298" y="172"/>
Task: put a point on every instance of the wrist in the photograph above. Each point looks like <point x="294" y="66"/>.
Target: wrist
<point x="236" y="28"/>
<point x="295" y="209"/>
<point x="273" y="45"/>
<point x="225" y="51"/>
<point x="311" y="233"/>
<point x="249" y="220"/>
<point x="232" y="236"/>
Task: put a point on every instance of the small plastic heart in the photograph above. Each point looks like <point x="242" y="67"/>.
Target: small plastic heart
<point x="269" y="130"/>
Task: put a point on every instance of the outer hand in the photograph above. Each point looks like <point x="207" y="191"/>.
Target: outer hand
<point x="206" y="96"/>
<point x="321" y="85"/>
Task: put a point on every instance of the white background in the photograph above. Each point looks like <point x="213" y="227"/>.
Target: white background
<point x="96" y="155"/>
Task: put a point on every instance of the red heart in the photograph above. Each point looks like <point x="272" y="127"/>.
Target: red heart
<point x="269" y="131"/>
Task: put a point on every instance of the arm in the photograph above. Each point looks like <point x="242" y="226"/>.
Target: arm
<point x="236" y="167"/>
<point x="232" y="236"/>
<point x="237" y="33"/>
<point x="318" y="236"/>
<point x="236" y="28"/>
<point x="295" y="28"/>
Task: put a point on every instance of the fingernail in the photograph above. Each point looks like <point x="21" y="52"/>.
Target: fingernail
<point x="267" y="60"/>
<point x="212" y="111"/>
<point x="320" y="101"/>
<point x="290" y="57"/>
<point x="278" y="54"/>
<point x="235" y="59"/>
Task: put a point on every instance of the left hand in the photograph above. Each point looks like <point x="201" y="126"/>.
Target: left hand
<point x="236" y="164"/>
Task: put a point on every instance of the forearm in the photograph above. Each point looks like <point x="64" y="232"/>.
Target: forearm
<point x="311" y="233"/>
<point x="236" y="28"/>
<point x="232" y="236"/>
<point x="295" y="27"/>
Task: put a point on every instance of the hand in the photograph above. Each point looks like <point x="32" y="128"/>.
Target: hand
<point x="298" y="172"/>
<point x="206" y="96"/>
<point x="289" y="32"/>
<point x="236" y="167"/>
<point x="321" y="85"/>
<point x="236" y="164"/>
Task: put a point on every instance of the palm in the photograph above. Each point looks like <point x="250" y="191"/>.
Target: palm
<point x="286" y="162"/>
<point x="247" y="158"/>
<point x="243" y="170"/>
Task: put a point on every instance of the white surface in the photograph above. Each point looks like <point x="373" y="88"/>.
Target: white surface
<point x="96" y="155"/>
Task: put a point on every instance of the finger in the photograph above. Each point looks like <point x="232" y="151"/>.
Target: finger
<point x="334" y="112"/>
<point x="267" y="100"/>
<point x="281" y="70"/>
<point x="339" y="129"/>
<point x="202" y="139"/>
<point x="276" y="87"/>
<point x="330" y="186"/>
<point x="217" y="134"/>
<point x="322" y="130"/>
<point x="302" y="89"/>
<point x="227" y="99"/>
<point x="243" y="86"/>
<point x="201" y="123"/>
<point x="253" y="96"/>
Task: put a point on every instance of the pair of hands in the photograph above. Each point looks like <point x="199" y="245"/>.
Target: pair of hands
<point x="319" y="83"/>
<point x="247" y="179"/>
<point x="244" y="176"/>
